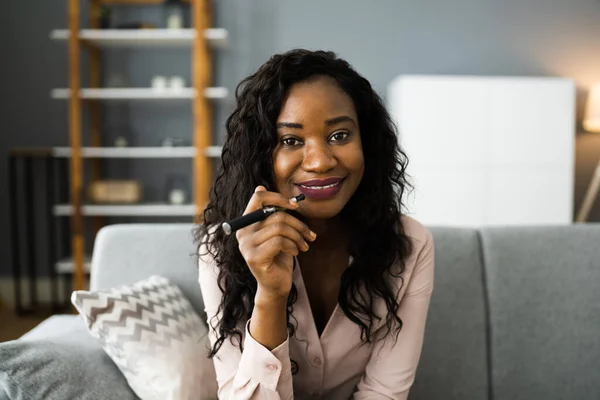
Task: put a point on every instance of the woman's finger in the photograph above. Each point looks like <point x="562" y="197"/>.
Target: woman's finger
<point x="262" y="198"/>
<point x="279" y="228"/>
<point x="289" y="219"/>
<point x="269" y="249"/>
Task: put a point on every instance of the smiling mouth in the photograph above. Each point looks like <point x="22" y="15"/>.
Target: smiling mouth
<point x="321" y="187"/>
<point x="323" y="192"/>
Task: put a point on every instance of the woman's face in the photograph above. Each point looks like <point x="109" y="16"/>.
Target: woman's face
<point x="319" y="150"/>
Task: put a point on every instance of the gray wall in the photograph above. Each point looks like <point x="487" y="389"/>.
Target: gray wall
<point x="30" y="65"/>
<point x="381" y="39"/>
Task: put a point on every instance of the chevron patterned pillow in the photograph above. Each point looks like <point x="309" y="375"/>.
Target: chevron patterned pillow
<point x="155" y="338"/>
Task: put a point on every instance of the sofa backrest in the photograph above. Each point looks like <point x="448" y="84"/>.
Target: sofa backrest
<point x="454" y="363"/>
<point x="127" y="253"/>
<point x="515" y="311"/>
<point x="544" y="296"/>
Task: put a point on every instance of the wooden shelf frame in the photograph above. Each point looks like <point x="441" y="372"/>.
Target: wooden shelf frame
<point x="200" y="37"/>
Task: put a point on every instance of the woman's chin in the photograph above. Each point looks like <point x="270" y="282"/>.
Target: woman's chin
<point x="317" y="212"/>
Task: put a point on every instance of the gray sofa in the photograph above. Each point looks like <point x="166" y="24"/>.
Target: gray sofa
<point x="515" y="315"/>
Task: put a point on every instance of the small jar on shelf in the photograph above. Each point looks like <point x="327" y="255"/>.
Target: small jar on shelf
<point x="173" y="14"/>
<point x="177" y="191"/>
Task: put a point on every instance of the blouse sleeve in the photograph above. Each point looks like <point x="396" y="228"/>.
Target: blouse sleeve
<point x="390" y="371"/>
<point x="257" y="373"/>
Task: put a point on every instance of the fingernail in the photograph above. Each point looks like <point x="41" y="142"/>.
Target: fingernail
<point x="306" y="247"/>
<point x="294" y="202"/>
<point x="313" y="235"/>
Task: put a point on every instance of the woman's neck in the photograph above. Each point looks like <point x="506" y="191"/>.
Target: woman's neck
<point x="331" y="233"/>
<point x="331" y="244"/>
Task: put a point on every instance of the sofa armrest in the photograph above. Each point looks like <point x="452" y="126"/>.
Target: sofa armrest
<point x="54" y="364"/>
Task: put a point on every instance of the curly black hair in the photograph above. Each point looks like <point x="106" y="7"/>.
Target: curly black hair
<point x="377" y="238"/>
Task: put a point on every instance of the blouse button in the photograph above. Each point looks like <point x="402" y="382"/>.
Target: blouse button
<point x="272" y="367"/>
<point x="317" y="362"/>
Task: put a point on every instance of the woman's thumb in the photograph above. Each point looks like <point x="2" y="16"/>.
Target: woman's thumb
<point x="260" y="188"/>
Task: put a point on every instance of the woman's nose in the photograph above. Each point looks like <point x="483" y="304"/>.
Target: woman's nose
<point x="319" y="158"/>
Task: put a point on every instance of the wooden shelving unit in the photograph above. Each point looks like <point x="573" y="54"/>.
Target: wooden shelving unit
<point x="201" y="38"/>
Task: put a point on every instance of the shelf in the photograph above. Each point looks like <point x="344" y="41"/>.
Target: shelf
<point x="136" y="2"/>
<point x="129" y="210"/>
<point x="136" y="152"/>
<point x="66" y="265"/>
<point x="216" y="37"/>
<point x="141" y="93"/>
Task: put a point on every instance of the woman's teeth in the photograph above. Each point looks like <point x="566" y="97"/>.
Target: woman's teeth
<point x="321" y="187"/>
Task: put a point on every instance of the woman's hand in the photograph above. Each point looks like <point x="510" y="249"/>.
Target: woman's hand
<point x="269" y="246"/>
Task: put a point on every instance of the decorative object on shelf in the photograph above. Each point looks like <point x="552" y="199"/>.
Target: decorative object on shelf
<point x="591" y="123"/>
<point x="176" y="189"/>
<point x="159" y="82"/>
<point x="175" y="21"/>
<point x="121" y="141"/>
<point x="177" y="196"/>
<point x="173" y="14"/>
<point x="105" y="17"/>
<point x="170" y="141"/>
<point x="177" y="82"/>
<point x="115" y="192"/>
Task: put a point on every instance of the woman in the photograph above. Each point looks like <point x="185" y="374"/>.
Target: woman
<point x="328" y="299"/>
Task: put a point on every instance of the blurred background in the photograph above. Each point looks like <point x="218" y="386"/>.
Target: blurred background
<point x="480" y="79"/>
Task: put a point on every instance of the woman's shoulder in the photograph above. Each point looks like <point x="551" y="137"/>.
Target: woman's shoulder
<point x="422" y="246"/>
<point x="419" y="235"/>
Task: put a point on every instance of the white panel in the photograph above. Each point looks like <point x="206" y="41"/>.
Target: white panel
<point x="447" y="131"/>
<point x="528" y="121"/>
<point x="441" y="194"/>
<point x="487" y="150"/>
<point x="528" y="196"/>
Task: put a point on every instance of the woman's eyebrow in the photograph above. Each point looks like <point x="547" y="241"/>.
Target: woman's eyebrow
<point x="337" y="120"/>
<point x="329" y="122"/>
<point x="290" y="125"/>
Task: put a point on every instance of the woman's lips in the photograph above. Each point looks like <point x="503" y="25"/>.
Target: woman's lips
<point x="321" y="192"/>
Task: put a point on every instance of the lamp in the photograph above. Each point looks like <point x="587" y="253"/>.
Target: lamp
<point x="591" y="123"/>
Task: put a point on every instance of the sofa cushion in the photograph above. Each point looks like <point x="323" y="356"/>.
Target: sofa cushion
<point x="56" y="325"/>
<point x="544" y="311"/>
<point x="454" y="363"/>
<point x="127" y="253"/>
<point x="64" y="365"/>
<point x="151" y="332"/>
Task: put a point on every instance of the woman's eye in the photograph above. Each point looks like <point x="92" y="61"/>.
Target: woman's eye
<point x="290" y="142"/>
<point x="339" y="136"/>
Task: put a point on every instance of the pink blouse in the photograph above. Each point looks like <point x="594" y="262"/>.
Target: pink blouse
<point x="336" y="365"/>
